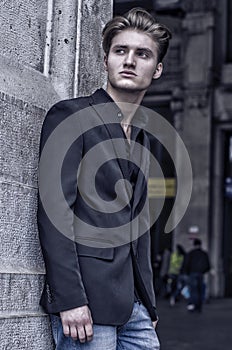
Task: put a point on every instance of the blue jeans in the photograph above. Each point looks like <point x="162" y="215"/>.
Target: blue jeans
<point x="196" y="290"/>
<point x="137" y="334"/>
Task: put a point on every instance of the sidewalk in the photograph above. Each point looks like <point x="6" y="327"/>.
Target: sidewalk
<point x="180" y="330"/>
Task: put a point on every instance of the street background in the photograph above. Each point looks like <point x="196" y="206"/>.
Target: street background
<point x="179" y="329"/>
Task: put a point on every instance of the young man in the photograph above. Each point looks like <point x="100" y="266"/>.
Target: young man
<point x="102" y="297"/>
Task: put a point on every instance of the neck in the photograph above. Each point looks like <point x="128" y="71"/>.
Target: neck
<point x="127" y="101"/>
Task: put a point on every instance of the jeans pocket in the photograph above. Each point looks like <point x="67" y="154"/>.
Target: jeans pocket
<point x="55" y="324"/>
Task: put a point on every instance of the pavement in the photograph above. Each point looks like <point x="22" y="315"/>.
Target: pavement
<point x="179" y="329"/>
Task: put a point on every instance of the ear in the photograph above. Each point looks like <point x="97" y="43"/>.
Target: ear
<point x="106" y="62"/>
<point x="158" y="71"/>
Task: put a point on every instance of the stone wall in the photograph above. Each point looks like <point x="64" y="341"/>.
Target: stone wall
<point x="195" y="127"/>
<point x="48" y="51"/>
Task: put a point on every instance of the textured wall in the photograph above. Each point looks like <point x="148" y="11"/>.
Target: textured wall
<point x="91" y="70"/>
<point x="196" y="119"/>
<point x="23" y="25"/>
<point x="19" y="143"/>
<point x="76" y="61"/>
<point x="48" y="51"/>
<point x="25" y="333"/>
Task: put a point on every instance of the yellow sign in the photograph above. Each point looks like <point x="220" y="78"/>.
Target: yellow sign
<point x="161" y="187"/>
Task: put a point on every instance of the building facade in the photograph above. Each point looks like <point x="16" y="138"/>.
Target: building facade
<point x="195" y="95"/>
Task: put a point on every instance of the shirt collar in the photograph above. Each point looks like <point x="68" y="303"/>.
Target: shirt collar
<point x="140" y="118"/>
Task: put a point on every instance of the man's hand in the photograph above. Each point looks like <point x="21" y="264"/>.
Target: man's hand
<point x="78" y="323"/>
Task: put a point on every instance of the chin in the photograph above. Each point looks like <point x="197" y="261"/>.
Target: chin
<point x="128" y="88"/>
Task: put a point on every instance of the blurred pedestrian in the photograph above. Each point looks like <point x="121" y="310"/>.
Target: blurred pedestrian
<point x="156" y="264"/>
<point x="195" y="266"/>
<point x="164" y="271"/>
<point x="175" y="273"/>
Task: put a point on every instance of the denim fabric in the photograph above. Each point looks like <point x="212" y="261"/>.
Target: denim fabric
<point x="196" y="290"/>
<point x="137" y="334"/>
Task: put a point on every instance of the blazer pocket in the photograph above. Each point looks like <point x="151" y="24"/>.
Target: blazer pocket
<point x="99" y="253"/>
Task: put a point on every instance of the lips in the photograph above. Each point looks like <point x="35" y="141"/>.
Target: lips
<point x="128" y="73"/>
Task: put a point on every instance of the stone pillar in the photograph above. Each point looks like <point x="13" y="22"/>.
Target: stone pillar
<point x="196" y="119"/>
<point x="76" y="32"/>
<point x="48" y="51"/>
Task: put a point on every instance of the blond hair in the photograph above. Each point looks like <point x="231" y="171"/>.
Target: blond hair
<point x="140" y="20"/>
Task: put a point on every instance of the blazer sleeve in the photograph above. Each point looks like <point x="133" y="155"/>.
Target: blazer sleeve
<point x="64" y="288"/>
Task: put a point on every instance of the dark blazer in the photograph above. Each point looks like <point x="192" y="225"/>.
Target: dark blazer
<point x="77" y="271"/>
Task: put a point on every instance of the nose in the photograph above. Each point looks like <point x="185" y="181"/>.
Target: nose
<point x="130" y="60"/>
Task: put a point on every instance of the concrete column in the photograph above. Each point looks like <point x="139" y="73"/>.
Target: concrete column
<point x="74" y="58"/>
<point x="61" y="48"/>
<point x="223" y="116"/>
<point x="44" y="56"/>
<point x="196" y="120"/>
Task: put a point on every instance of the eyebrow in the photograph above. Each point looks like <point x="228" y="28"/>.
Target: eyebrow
<point x="145" y="49"/>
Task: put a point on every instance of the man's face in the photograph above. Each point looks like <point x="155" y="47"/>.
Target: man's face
<point x="132" y="62"/>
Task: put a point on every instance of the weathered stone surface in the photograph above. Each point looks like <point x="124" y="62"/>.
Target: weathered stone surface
<point x="20" y="126"/>
<point x="28" y="49"/>
<point x="20" y="248"/>
<point x="91" y="73"/>
<point x="19" y="142"/>
<point x="20" y="293"/>
<point x="76" y="45"/>
<point x="23" y="26"/>
<point x="26" y="84"/>
<point x="63" y="46"/>
<point x="192" y="132"/>
<point x="196" y="122"/>
<point x="198" y="54"/>
<point x="26" y="333"/>
<point x="198" y="5"/>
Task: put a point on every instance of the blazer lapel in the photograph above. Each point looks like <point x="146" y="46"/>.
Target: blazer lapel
<point x="107" y="112"/>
